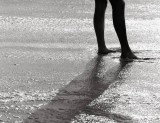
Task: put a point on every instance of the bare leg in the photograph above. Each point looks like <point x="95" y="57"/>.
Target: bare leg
<point x="99" y="25"/>
<point x="118" y="7"/>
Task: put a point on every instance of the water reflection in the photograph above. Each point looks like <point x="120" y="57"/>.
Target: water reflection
<point x="100" y="72"/>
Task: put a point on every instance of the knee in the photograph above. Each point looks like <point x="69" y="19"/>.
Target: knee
<point x="101" y="4"/>
<point x="122" y="3"/>
<point x="118" y="3"/>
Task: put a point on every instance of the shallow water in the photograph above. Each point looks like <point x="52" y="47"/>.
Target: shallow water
<point x="71" y="21"/>
<point x="48" y="47"/>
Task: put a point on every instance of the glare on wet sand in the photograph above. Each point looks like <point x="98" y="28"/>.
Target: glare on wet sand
<point x="48" y="60"/>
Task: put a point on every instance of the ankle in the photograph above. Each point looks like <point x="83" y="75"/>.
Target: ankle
<point x="128" y="54"/>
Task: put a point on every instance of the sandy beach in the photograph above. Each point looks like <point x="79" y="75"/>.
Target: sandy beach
<point x="50" y="71"/>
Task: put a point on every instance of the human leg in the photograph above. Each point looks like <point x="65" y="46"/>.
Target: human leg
<point x="99" y="25"/>
<point x="118" y="9"/>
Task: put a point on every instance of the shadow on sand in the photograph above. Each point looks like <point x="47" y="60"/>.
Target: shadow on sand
<point x="100" y="72"/>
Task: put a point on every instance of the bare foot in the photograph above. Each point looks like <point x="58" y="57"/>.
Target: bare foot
<point x="105" y="51"/>
<point x="129" y="57"/>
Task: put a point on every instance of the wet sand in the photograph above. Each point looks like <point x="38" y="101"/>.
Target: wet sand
<point x="31" y="78"/>
<point x="50" y="71"/>
<point x="107" y="91"/>
<point x="64" y="85"/>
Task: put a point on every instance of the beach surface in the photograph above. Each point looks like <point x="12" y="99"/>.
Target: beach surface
<point x="50" y="71"/>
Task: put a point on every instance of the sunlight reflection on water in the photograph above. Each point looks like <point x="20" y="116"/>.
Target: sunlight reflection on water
<point x="43" y="29"/>
<point x="52" y="33"/>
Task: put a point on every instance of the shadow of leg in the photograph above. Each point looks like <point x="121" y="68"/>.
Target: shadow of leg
<point x="80" y="92"/>
<point x="116" y="117"/>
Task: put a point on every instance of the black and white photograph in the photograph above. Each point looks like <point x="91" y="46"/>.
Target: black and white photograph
<point x="79" y="61"/>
